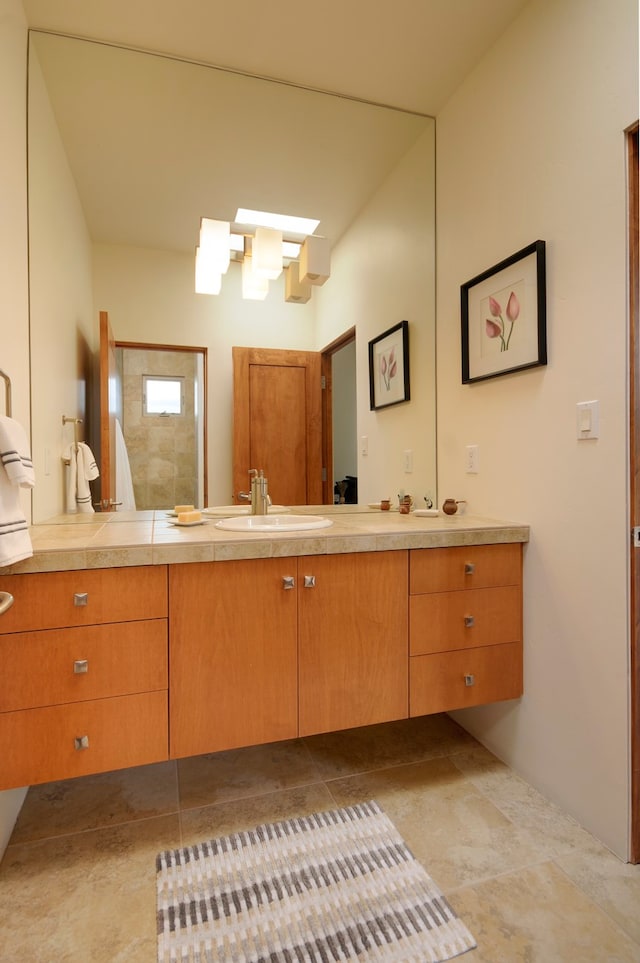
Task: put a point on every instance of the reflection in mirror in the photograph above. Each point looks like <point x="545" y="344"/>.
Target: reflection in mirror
<point x="128" y="150"/>
<point x="162" y="413"/>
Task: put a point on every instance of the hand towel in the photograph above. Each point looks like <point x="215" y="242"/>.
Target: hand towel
<point x="16" y="471"/>
<point x="82" y="469"/>
<point x="15" y="453"/>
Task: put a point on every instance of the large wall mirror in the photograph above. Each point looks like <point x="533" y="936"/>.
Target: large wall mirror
<point x="128" y="150"/>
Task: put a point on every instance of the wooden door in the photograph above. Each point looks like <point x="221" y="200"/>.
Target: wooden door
<point x="233" y="660"/>
<point x="353" y="640"/>
<point x="277" y="423"/>
<point x="108" y="409"/>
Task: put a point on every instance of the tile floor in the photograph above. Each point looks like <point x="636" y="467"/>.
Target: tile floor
<point x="77" y="883"/>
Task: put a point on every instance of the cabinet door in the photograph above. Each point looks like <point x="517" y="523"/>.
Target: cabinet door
<point x="233" y="655"/>
<point x="353" y="646"/>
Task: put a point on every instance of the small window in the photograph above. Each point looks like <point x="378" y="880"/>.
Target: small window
<point x="162" y="395"/>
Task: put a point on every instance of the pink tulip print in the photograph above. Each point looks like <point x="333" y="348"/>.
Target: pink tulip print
<point x="388" y="367"/>
<point x="496" y="326"/>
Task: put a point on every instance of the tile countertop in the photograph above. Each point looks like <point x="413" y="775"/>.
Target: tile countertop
<point x="118" y="539"/>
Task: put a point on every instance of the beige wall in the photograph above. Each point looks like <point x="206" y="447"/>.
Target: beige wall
<point x="383" y="273"/>
<point x="64" y="330"/>
<point x="14" y="326"/>
<point x="532" y="146"/>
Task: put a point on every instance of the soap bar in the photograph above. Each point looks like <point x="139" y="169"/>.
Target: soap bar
<point x="190" y="516"/>
<point x="183" y="508"/>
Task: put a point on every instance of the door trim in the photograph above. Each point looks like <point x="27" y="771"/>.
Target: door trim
<point x="326" y="356"/>
<point x="634" y="500"/>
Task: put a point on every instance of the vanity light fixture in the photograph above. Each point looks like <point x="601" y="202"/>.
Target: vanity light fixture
<point x="254" y="288"/>
<point x="266" y="251"/>
<point x="314" y="260"/>
<point x="263" y="252"/>
<point x="295" y="291"/>
<point x="214" y="243"/>
<point x="208" y="280"/>
<point x="287" y="223"/>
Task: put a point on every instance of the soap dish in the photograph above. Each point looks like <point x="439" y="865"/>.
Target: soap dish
<point x="427" y="511"/>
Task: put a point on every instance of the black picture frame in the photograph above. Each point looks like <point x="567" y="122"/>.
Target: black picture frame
<point x="504" y="316"/>
<point x="389" y="367"/>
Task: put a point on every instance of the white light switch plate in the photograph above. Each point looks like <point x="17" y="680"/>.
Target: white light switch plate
<point x="588" y="419"/>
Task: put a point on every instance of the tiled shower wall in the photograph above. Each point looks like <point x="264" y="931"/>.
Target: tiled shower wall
<point x="162" y="449"/>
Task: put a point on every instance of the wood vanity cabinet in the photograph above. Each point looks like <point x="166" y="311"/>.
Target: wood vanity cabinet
<point x="465" y="626"/>
<point x="269" y="649"/>
<point x="83" y="687"/>
<point x="233" y="662"/>
<point x="352" y="640"/>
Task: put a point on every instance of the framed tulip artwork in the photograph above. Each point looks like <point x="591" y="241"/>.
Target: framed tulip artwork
<point x="504" y="316"/>
<point x="389" y="367"/>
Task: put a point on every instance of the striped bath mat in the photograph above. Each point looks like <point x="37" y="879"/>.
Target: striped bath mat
<point x="338" y="885"/>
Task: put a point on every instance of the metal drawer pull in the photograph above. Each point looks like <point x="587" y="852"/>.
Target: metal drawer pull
<point x="469" y="568"/>
<point x="468" y="621"/>
<point x="81" y="742"/>
<point x="81" y="598"/>
<point x="309" y="581"/>
<point x="81" y="665"/>
<point x="288" y="582"/>
<point x="469" y="680"/>
<point x="6" y="601"/>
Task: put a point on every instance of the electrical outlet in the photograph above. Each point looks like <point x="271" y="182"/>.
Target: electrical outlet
<point x="473" y="460"/>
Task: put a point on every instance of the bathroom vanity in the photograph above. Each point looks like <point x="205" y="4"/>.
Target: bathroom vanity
<point x="132" y="642"/>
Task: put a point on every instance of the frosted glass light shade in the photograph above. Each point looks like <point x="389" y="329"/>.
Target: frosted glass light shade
<point x="215" y="240"/>
<point x="315" y="260"/>
<point x="208" y="279"/>
<point x="294" y="290"/>
<point x="254" y="288"/>
<point x="266" y="251"/>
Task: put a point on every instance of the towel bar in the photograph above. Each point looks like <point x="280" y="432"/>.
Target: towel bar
<point x="7" y="393"/>
<point x="68" y="420"/>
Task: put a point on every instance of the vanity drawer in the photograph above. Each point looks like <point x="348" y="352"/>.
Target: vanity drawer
<point x="51" y="600"/>
<point x="461" y="620"/>
<point x="456" y="680"/>
<point x="39" y="745"/>
<point x="78" y="664"/>
<point x="464" y="567"/>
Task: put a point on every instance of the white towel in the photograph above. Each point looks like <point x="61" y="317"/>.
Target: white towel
<point x="82" y="469"/>
<point x="125" y="494"/>
<point x="16" y="472"/>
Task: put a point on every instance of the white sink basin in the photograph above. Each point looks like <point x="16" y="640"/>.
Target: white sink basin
<point x="225" y="511"/>
<point x="273" y="523"/>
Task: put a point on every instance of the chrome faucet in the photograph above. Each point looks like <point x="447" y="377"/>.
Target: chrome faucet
<point x="259" y="495"/>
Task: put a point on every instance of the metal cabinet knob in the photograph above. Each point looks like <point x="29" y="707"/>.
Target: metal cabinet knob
<point x="309" y="581"/>
<point x="80" y="666"/>
<point x="468" y="621"/>
<point x="6" y="601"/>
<point x="469" y="680"/>
<point x="81" y="598"/>
<point x="469" y="568"/>
<point x="288" y="582"/>
<point x="81" y="742"/>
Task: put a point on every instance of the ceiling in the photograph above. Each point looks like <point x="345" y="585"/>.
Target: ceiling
<point x="155" y="144"/>
<point x="410" y="53"/>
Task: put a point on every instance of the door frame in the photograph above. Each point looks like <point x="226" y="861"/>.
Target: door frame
<point x="634" y="488"/>
<point x="326" y="358"/>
